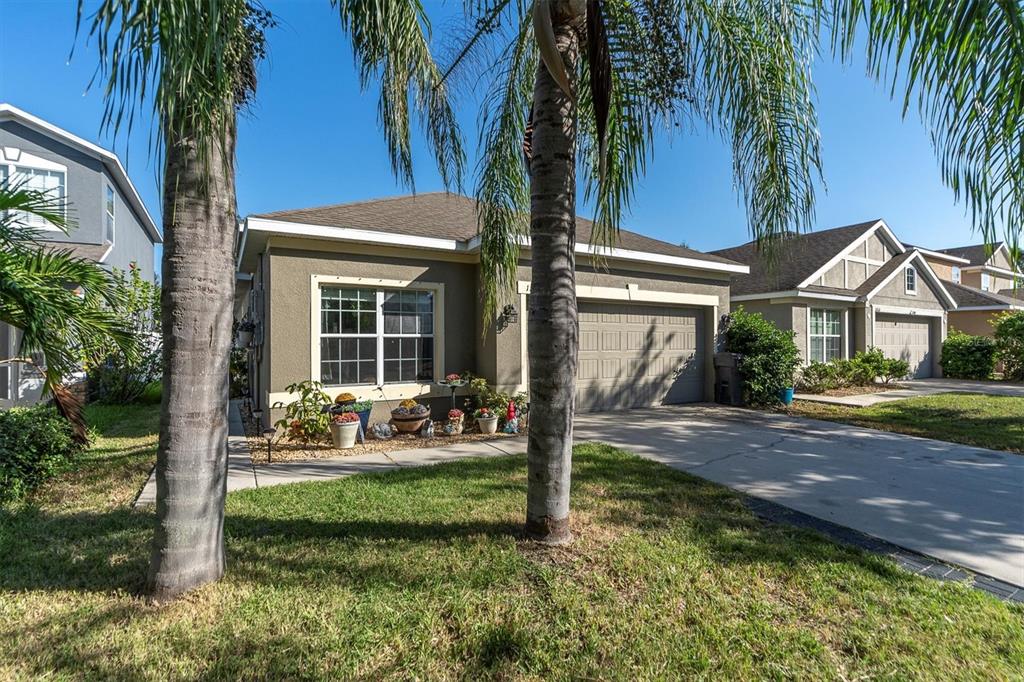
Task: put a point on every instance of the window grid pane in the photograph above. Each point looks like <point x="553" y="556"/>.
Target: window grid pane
<point x="825" y="335"/>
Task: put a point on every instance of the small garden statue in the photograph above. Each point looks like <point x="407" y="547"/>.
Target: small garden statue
<point x="428" y="429"/>
<point x="382" y="430"/>
<point x="511" y="421"/>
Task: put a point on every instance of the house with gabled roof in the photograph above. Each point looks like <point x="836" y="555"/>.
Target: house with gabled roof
<point x="845" y="290"/>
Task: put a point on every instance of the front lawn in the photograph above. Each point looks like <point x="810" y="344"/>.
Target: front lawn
<point x="987" y="421"/>
<point x="420" y="573"/>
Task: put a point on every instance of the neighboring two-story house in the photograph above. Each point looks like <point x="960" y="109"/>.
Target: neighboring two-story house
<point x="982" y="280"/>
<point x="846" y="290"/>
<point x="110" y="223"/>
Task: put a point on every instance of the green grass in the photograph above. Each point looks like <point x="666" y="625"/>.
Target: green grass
<point x="421" y="573"/>
<point x="986" y="421"/>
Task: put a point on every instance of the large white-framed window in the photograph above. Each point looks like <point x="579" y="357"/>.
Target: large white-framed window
<point x="376" y="336"/>
<point x="6" y="370"/>
<point x="108" y="211"/>
<point x="52" y="182"/>
<point x="956" y="274"/>
<point x="824" y="334"/>
<point x="910" y="280"/>
<point x="986" y="281"/>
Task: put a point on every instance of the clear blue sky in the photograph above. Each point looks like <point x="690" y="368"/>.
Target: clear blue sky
<point x="312" y="138"/>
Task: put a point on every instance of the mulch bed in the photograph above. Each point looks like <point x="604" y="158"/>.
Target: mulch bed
<point x="286" y="451"/>
<point x="860" y="390"/>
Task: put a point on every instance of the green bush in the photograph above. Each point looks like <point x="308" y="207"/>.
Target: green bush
<point x="483" y="394"/>
<point x="860" y="370"/>
<point x="304" y="419"/>
<point x="818" y="377"/>
<point x="968" y="357"/>
<point x="769" y="355"/>
<point x="893" y="369"/>
<point x="1009" y="334"/>
<point x="35" y="444"/>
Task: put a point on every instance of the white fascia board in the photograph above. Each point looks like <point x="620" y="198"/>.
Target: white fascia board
<point x="943" y="256"/>
<point x="647" y="257"/>
<point x="109" y="159"/>
<point x="632" y="293"/>
<point x="355" y="235"/>
<point x="922" y="266"/>
<point x="994" y="269"/>
<point x="795" y="293"/>
<point x="1005" y="306"/>
<point x="900" y="310"/>
<point x="880" y="225"/>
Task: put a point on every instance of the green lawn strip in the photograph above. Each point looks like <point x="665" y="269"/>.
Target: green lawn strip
<point x="987" y="421"/>
<point x="421" y="573"/>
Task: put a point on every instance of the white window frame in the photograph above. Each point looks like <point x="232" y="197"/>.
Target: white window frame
<point x="910" y="277"/>
<point x="109" y="213"/>
<point x="390" y="390"/>
<point x="825" y="335"/>
<point x="14" y="160"/>
<point x="986" y="281"/>
<point x="956" y="274"/>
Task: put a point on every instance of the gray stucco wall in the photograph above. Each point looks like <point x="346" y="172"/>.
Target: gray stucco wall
<point x="86" y="181"/>
<point x="894" y="294"/>
<point x="779" y="315"/>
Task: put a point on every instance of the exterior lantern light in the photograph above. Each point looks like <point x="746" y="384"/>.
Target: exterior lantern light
<point x="269" y="435"/>
<point x="509" y="315"/>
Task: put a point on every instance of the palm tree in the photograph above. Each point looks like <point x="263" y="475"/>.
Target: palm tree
<point x="609" y="74"/>
<point x="196" y="62"/>
<point x="64" y="306"/>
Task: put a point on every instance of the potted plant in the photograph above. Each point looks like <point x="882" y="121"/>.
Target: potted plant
<point x="455" y="422"/>
<point x="344" y="428"/>
<point x="409" y="416"/>
<point x="245" y="330"/>
<point x="486" y="420"/>
<point x="344" y="399"/>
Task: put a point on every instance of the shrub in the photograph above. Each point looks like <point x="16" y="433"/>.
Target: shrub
<point x="860" y="370"/>
<point x="1009" y="339"/>
<point x="769" y="355"/>
<point x="818" y="377"/>
<point x="305" y="418"/>
<point x="893" y="369"/>
<point x="35" y="444"/>
<point x="968" y="357"/>
<point x="483" y="395"/>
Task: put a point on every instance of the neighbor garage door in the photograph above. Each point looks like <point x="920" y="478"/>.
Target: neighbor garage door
<point x="908" y="338"/>
<point x="639" y="355"/>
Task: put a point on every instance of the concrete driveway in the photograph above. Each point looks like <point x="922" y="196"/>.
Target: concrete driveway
<point x="956" y="503"/>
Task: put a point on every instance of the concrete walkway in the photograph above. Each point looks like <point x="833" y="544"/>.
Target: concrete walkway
<point x="919" y="387"/>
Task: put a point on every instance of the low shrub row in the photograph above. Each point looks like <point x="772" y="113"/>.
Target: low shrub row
<point x="863" y="369"/>
<point x="968" y="357"/>
<point x="1009" y="336"/>
<point x="36" y="444"/>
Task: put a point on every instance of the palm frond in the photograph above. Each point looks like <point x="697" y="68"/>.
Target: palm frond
<point x="18" y="200"/>
<point x="390" y="43"/>
<point x="963" y="64"/>
<point x="751" y="81"/>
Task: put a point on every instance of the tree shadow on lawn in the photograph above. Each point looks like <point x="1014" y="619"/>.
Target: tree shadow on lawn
<point x="392" y="527"/>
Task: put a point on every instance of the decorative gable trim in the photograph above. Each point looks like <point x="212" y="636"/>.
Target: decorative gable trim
<point x="879" y="226"/>
<point x="921" y="265"/>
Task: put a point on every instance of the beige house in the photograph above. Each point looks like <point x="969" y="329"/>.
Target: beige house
<point x="983" y="282"/>
<point x="382" y="299"/>
<point x="846" y="290"/>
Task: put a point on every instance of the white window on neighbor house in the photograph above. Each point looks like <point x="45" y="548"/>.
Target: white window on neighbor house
<point x="108" y="209"/>
<point x="52" y="182"/>
<point x="5" y="368"/>
<point x="376" y="336"/>
<point x="956" y="274"/>
<point x="825" y="335"/>
<point x="986" y="281"/>
<point x="910" y="280"/>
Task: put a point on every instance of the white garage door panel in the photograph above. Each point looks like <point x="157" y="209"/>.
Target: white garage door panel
<point x="637" y="355"/>
<point x="908" y="338"/>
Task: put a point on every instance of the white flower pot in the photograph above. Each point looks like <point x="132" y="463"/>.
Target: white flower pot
<point x="487" y="424"/>
<point x="343" y="435"/>
<point x="244" y="339"/>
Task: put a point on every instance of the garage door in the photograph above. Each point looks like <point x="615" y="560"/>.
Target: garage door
<point x="639" y="355"/>
<point x="908" y="338"/>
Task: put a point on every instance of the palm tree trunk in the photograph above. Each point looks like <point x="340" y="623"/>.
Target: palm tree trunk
<point x="553" y="330"/>
<point x="198" y="287"/>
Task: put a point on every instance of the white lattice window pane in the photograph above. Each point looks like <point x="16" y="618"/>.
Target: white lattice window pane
<point x="817" y="349"/>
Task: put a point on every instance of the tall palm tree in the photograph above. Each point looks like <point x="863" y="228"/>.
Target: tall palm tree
<point x="196" y="62"/>
<point x="64" y="306"/>
<point x="583" y="82"/>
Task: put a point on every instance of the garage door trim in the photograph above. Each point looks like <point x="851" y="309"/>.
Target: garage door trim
<point x="633" y="293"/>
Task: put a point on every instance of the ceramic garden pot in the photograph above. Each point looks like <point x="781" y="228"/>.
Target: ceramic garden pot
<point x="487" y="424"/>
<point x="343" y="435"/>
<point x="409" y="423"/>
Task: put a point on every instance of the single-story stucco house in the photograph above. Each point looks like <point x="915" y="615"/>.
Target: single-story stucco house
<point x="382" y="299"/>
<point x="845" y="290"/>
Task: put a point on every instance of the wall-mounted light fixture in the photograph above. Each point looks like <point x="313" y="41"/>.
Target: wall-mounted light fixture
<point x="509" y="315"/>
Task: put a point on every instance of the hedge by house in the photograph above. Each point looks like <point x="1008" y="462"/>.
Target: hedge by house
<point x="965" y="356"/>
<point x="863" y="369"/>
<point x="769" y="355"/>
<point x="35" y="445"/>
<point x="1009" y="335"/>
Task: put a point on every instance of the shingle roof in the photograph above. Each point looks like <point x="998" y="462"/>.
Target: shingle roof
<point x="1016" y="294"/>
<point x="978" y="254"/>
<point x="449" y="216"/>
<point x="799" y="257"/>
<point x="93" y="252"/>
<point x="969" y="297"/>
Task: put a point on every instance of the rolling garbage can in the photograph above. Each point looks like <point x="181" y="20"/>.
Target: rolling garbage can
<point x="728" y="380"/>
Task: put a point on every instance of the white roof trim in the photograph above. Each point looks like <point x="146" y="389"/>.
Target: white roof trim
<point x="795" y="293"/>
<point x="879" y="225"/>
<point x="471" y="245"/>
<point x="926" y="269"/>
<point x="1005" y="306"/>
<point x="942" y="256"/>
<point x="993" y="268"/>
<point x="110" y="160"/>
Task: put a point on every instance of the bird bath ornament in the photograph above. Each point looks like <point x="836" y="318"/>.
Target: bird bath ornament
<point x="454" y="382"/>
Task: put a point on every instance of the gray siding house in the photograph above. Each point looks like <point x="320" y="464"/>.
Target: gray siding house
<point x="846" y="290"/>
<point x="110" y="223"/>
<point x="382" y="299"/>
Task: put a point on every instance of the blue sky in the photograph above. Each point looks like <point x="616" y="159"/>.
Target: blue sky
<point x="312" y="138"/>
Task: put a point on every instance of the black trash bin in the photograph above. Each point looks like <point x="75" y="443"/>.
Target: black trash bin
<point x="728" y="381"/>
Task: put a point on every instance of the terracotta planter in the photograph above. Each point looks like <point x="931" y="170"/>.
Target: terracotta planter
<point x="409" y="423"/>
<point x="487" y="424"/>
<point x="343" y="435"/>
